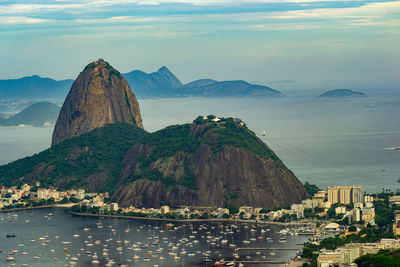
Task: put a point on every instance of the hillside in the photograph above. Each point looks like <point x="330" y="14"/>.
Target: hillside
<point x="91" y="160"/>
<point x="205" y="164"/>
<point x="343" y="93"/>
<point x="36" y="114"/>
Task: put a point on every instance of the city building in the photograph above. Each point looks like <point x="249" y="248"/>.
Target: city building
<point x="114" y="206"/>
<point x="394" y="200"/>
<point x="329" y="258"/>
<point x="396" y="224"/>
<point x="164" y="209"/>
<point x="345" y="194"/>
<point x="340" y="210"/>
<point x="350" y="253"/>
<point x="368" y="215"/>
<point x="42" y="193"/>
<point x="356" y="215"/>
<point x="368" y="199"/>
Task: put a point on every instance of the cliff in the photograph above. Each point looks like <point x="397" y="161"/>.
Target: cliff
<point x="99" y="96"/>
<point x="205" y="164"/>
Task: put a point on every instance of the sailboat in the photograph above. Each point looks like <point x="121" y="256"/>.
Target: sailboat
<point x="12" y="230"/>
<point x="264" y="133"/>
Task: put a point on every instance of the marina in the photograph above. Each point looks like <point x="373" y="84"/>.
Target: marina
<point x="66" y="240"/>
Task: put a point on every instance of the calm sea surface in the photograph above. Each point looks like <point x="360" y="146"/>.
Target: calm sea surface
<point x="323" y="141"/>
<point x="56" y="239"/>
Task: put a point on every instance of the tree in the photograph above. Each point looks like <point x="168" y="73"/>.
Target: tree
<point x="311" y="188"/>
<point x="352" y="228"/>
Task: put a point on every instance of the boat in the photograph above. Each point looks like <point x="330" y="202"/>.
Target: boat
<point x="9" y="236"/>
<point x="10" y="258"/>
<point x="221" y="262"/>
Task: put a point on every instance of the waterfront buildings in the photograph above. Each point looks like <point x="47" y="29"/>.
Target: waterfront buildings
<point x="345" y="194"/>
<point x="396" y="224"/>
<point x="345" y="255"/>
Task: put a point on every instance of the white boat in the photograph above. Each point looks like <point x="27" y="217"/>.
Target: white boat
<point x="10" y="258"/>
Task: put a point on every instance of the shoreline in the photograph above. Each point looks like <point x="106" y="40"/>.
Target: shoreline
<point x="184" y="220"/>
<point x="69" y="205"/>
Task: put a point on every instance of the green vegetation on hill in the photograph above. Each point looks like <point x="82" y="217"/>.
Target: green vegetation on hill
<point x="384" y="258"/>
<point x="100" y="153"/>
<point x="71" y="161"/>
<point x="177" y="138"/>
<point x="166" y="143"/>
<point x="311" y="188"/>
<point x="233" y="132"/>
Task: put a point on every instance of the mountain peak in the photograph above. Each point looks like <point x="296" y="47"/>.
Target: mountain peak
<point x="99" y="96"/>
<point x="163" y="70"/>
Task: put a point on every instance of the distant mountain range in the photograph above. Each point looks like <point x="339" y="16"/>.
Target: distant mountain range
<point x="162" y="83"/>
<point x="34" y="87"/>
<point x="38" y="114"/>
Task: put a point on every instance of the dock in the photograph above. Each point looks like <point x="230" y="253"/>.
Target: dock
<point x="238" y="249"/>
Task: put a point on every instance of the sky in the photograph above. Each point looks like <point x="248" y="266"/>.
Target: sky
<point x="287" y="44"/>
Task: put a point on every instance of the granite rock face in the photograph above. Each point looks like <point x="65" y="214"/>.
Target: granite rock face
<point x="232" y="176"/>
<point x="99" y="96"/>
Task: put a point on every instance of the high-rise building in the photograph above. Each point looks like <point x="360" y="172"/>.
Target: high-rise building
<point x="345" y="194"/>
<point x="333" y="194"/>
<point x="357" y="194"/>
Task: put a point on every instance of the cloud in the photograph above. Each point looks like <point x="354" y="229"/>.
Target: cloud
<point x="4" y="20"/>
<point x="370" y="10"/>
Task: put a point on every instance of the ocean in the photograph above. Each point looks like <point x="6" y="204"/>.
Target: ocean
<point x="325" y="141"/>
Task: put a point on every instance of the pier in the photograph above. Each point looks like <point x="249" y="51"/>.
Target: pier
<point x="238" y="249"/>
<point x="263" y="262"/>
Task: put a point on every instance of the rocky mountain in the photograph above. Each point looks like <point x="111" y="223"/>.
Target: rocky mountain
<point x="99" y="96"/>
<point x="205" y="164"/>
<point x="34" y="87"/>
<point x="162" y="83"/>
<point x="157" y="84"/>
<point x="343" y="93"/>
<point x="37" y="114"/>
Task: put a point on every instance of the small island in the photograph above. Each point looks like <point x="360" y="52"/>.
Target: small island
<point x="343" y="93"/>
